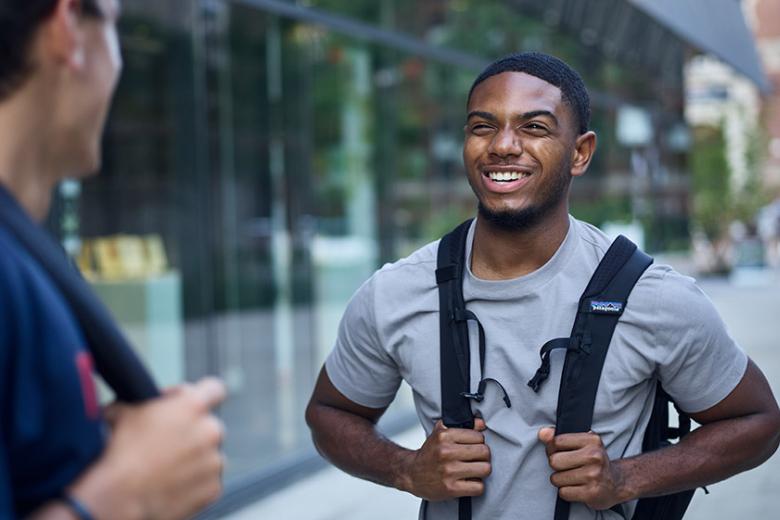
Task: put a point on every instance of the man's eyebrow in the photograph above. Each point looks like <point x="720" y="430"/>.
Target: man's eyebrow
<point x="483" y="115"/>
<point x="524" y="116"/>
<point x="537" y="113"/>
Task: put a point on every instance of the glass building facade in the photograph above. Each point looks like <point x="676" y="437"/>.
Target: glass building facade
<point x="263" y="158"/>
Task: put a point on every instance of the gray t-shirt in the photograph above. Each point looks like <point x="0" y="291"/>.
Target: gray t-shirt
<point x="669" y="331"/>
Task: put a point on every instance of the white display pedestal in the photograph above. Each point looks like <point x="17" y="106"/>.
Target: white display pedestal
<point x="149" y="313"/>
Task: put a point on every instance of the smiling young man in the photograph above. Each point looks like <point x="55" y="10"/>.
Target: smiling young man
<point x="59" y="66"/>
<point x="526" y="138"/>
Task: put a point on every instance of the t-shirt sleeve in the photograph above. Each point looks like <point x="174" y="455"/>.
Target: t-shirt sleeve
<point x="359" y="367"/>
<point x="699" y="363"/>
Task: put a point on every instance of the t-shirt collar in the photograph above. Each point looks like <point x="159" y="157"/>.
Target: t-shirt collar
<point x="529" y="281"/>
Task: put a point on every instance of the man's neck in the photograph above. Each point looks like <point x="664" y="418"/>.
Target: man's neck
<point x="27" y="166"/>
<point x="500" y="254"/>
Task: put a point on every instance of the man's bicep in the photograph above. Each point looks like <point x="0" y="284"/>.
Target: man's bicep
<point x="751" y="396"/>
<point x="325" y="394"/>
<point x="359" y="366"/>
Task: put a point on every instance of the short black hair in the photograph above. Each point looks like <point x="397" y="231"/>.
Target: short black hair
<point x="550" y="69"/>
<point x="19" y="19"/>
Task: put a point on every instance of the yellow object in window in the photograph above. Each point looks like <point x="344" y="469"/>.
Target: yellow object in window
<point x="123" y="257"/>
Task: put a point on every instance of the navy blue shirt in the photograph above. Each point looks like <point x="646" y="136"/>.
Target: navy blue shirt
<point x="52" y="428"/>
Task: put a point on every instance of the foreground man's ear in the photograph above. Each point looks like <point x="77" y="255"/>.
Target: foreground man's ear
<point x="63" y="37"/>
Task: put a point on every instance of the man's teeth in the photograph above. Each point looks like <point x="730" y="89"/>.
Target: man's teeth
<point x="506" y="176"/>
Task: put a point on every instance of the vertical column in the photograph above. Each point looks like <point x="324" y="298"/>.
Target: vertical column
<point x="356" y="134"/>
<point x="230" y="325"/>
<point x="281" y="251"/>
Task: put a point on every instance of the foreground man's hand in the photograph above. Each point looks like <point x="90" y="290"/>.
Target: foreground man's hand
<point x="582" y="469"/>
<point x="163" y="458"/>
<point x="451" y="463"/>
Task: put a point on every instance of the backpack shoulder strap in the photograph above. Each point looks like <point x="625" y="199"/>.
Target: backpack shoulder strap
<point x="454" y="339"/>
<point x="453" y="334"/>
<point x="600" y="307"/>
<point x="114" y="359"/>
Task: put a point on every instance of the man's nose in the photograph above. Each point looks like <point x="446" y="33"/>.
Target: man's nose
<point x="505" y="143"/>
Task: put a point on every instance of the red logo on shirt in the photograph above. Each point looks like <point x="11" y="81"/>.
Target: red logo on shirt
<point x="88" y="390"/>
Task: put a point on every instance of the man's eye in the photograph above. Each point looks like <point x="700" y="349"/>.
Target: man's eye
<point x="480" y="129"/>
<point x="536" y="127"/>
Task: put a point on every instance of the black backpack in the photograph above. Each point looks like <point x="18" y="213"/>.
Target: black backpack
<point x="600" y="307"/>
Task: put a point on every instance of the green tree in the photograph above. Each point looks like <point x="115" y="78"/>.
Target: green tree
<point x="710" y="175"/>
<point x="752" y="196"/>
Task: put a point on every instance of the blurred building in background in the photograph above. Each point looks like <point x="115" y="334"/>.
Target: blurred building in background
<point x="735" y="157"/>
<point x="764" y="16"/>
<point x="263" y="157"/>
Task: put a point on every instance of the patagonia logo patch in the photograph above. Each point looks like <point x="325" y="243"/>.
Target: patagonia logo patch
<point x="606" y="307"/>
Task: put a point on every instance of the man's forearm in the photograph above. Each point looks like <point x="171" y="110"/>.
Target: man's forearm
<point x="707" y="455"/>
<point x="353" y="444"/>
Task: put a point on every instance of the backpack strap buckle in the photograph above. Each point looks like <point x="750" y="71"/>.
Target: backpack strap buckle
<point x="446" y="273"/>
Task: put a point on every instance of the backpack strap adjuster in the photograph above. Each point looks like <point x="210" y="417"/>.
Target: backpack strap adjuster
<point x="479" y="395"/>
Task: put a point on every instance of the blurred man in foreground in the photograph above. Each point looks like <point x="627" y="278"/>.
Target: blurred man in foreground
<point x="59" y="64"/>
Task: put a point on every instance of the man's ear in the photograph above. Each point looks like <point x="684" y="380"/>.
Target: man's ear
<point x="63" y="35"/>
<point x="584" y="148"/>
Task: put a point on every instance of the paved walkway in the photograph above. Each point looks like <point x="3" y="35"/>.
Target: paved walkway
<point x="753" y="316"/>
<point x="333" y="495"/>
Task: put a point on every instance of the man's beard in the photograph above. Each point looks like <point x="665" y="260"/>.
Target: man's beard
<point x="532" y="216"/>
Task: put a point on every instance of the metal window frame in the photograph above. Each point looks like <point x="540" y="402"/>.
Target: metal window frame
<point x="368" y="33"/>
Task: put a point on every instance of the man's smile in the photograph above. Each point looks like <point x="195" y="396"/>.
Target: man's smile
<point x="504" y="179"/>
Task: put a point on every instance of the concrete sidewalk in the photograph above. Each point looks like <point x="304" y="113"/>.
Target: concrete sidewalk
<point x="752" y="314"/>
<point x="333" y="495"/>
